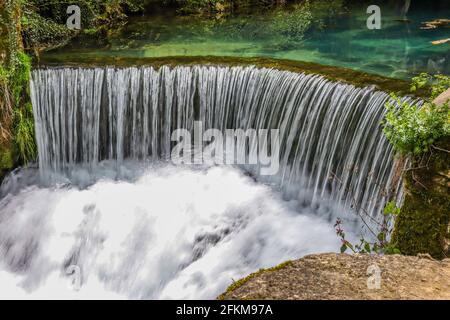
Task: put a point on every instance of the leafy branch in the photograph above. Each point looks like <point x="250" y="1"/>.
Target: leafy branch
<point x="380" y="231"/>
<point x="414" y="130"/>
<point x="381" y="243"/>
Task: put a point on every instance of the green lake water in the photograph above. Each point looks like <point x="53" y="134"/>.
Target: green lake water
<point x="399" y="49"/>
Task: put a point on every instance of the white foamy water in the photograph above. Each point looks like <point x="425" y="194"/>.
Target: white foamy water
<point x="168" y="232"/>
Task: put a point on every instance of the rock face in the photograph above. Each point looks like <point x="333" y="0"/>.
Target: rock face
<point x="344" y="276"/>
<point x="422" y="225"/>
<point x="444" y="96"/>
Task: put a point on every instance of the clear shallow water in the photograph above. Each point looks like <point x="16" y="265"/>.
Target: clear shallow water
<point x="157" y="232"/>
<point x="398" y="50"/>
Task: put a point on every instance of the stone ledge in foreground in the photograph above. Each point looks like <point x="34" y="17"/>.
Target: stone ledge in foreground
<point x="344" y="276"/>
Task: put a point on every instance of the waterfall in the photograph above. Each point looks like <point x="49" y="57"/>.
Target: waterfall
<point x="331" y="148"/>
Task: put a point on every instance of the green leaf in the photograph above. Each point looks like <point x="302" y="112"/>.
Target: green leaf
<point x="375" y="247"/>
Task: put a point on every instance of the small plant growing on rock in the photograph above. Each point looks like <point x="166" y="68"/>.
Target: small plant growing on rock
<point x="380" y="244"/>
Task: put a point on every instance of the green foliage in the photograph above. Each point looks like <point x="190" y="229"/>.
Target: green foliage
<point x="438" y="83"/>
<point x="391" y="209"/>
<point x="42" y="32"/>
<point x="288" y="24"/>
<point x="19" y="75"/>
<point x="317" y="9"/>
<point x="6" y="107"/>
<point x="3" y="76"/>
<point x="24" y="142"/>
<point x="23" y="125"/>
<point x="380" y="243"/>
<point x="199" y="6"/>
<point x="44" y="21"/>
<point x="14" y="76"/>
<point x="93" y="12"/>
<point x="294" y="23"/>
<point x="6" y="159"/>
<point x="217" y="6"/>
<point x="413" y="130"/>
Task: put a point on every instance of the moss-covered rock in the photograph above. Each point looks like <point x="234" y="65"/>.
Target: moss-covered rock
<point x="423" y="223"/>
<point x="6" y="161"/>
<point x="17" y="144"/>
<point x="237" y="284"/>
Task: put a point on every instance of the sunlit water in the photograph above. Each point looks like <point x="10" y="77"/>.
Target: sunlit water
<point x="399" y="49"/>
<point x="147" y="232"/>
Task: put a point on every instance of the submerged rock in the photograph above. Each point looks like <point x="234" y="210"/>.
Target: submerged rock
<point x="344" y="276"/>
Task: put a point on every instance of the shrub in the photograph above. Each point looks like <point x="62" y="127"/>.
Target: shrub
<point x="413" y="130"/>
<point x="42" y="32"/>
<point x="293" y="24"/>
<point x="438" y="83"/>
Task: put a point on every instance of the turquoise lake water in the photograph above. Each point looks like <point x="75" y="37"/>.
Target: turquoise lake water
<point x="400" y="49"/>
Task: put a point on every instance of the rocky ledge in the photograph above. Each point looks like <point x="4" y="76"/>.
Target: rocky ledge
<point x="344" y="276"/>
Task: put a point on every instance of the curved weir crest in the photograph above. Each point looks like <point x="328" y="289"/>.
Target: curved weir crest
<point x="331" y="148"/>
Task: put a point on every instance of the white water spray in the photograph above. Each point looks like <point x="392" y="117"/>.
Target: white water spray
<point x="173" y="232"/>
